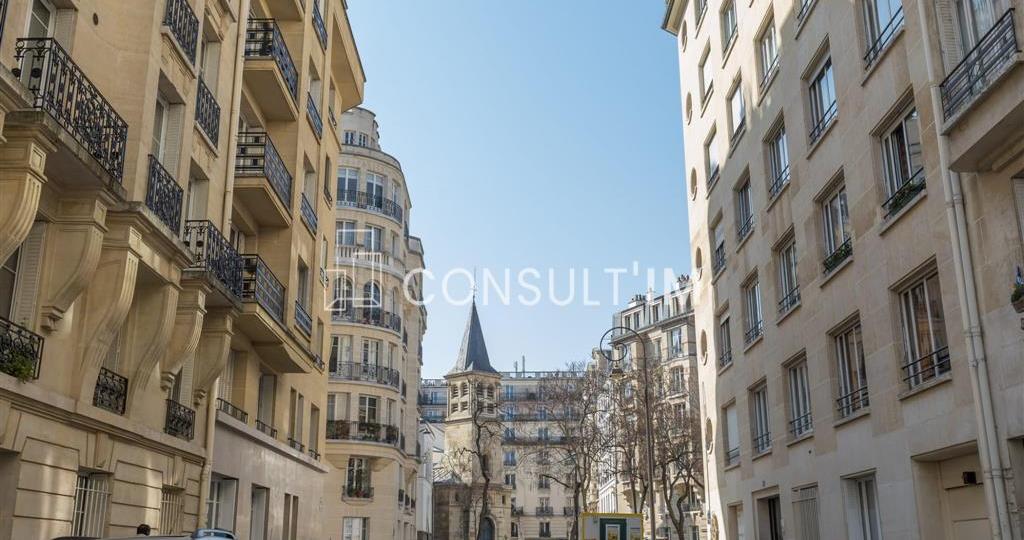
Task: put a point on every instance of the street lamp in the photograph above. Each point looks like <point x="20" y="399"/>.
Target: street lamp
<point x="616" y="371"/>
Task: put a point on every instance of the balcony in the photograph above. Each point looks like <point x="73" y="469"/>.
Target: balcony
<point x="266" y="429"/>
<point x="208" y="113"/>
<point x="262" y="181"/>
<point x="374" y="203"/>
<point x="372" y="432"/>
<point x="184" y="26"/>
<point x="61" y="89"/>
<point x="302" y="319"/>
<point x="21" y="351"/>
<point x="314" y="454"/>
<point x="518" y="511"/>
<point x="371" y="316"/>
<point x="926" y="368"/>
<point x="260" y="285"/>
<point x="270" y="69"/>
<point x="308" y="214"/>
<point x="352" y="371"/>
<point x="568" y="511"/>
<point x="164" y="195"/>
<point x="296" y="445"/>
<point x="111" y="391"/>
<point x="839" y="254"/>
<point x="908" y="189"/>
<point x="227" y="408"/>
<point x="718" y="260"/>
<point x="180" y="421"/>
<point x="544" y="511"/>
<point x="884" y="38"/>
<point x="318" y="25"/>
<point x="995" y="52"/>
<point x="214" y="257"/>
<point x="359" y="491"/>
<point x="375" y="258"/>
<point x="313" y="114"/>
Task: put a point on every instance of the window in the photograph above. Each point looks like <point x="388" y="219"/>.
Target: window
<point x="375" y="189"/>
<point x="902" y="165"/>
<point x="862" y="522"/>
<point x="711" y="159"/>
<point x="345" y="233"/>
<point x="836" y="219"/>
<point x="291" y="516"/>
<point x="789" y="287"/>
<point x="731" y="435"/>
<point x="355" y="528"/>
<point x="92" y="497"/>
<point x="171" y="510"/>
<point x="724" y="342"/>
<point x="341" y="354"/>
<point x="805" y="513"/>
<point x="700" y="7"/>
<point x="265" y="401"/>
<point x="852" y="378"/>
<point x="260" y="499"/>
<point x="753" y="321"/>
<point x="209" y="59"/>
<point x="800" y="421"/>
<point x="314" y="429"/>
<point x="304" y="291"/>
<point x="373" y="239"/>
<point x="737" y="112"/>
<point x="760" y="429"/>
<point x="718" y="241"/>
<point x="675" y="342"/>
<point x="823" y="99"/>
<point x="348" y="182"/>
<point x="925" y="350"/>
<point x="220" y="506"/>
<point x="728" y="18"/>
<point x="297" y="405"/>
<point x="744" y="212"/>
<point x="510" y="457"/>
<point x="778" y="161"/>
<point x="545" y="529"/>
<point x="368" y="409"/>
<point x="706" y="77"/>
<point x="371" y="352"/>
<point x="9" y="284"/>
<point x="882" y="19"/>
<point x="358" y="480"/>
<point x="769" y="518"/>
<point x="768" y="52"/>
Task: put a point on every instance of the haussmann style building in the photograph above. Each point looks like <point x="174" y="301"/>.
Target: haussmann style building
<point x="855" y="186"/>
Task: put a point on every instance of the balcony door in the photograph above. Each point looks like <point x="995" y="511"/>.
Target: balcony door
<point x="265" y="405"/>
<point x="975" y="18"/>
<point x="41" y="20"/>
<point x="375" y="189"/>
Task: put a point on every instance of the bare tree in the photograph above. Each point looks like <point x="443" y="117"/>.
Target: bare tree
<point x="678" y="462"/>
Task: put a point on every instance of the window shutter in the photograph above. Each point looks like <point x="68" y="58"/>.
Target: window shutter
<point x="27" y="284"/>
<point x="185" y="384"/>
<point x="949" y="35"/>
<point x="172" y="138"/>
<point x="64" y="27"/>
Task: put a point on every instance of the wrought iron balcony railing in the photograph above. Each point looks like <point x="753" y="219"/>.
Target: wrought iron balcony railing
<point x="779" y="182"/>
<point x="263" y="39"/>
<point x="725" y="358"/>
<point x="184" y="26"/>
<point x="213" y="254"/>
<point x="297" y="445"/>
<point x="318" y="25"/>
<point x="744" y="228"/>
<point x="805" y="7"/>
<point x="314" y="454"/>
<point x="354" y="371"/>
<point x="980" y="67"/>
<point x="544" y="511"/>
<point x="266" y="429"/>
<point x="164" y="195"/>
<point x="308" y="214"/>
<point x="374" y="256"/>
<point x="755" y="331"/>
<point x="801" y="425"/>
<point x="908" y="189"/>
<point x="852" y="401"/>
<point x="256" y="155"/>
<point x="838" y="255"/>
<point x="362" y="432"/>
<point x="111" y="391"/>
<point x="926" y="368"/>
<point x="21" y="351"/>
<point x="359" y="491"/>
<point x="732" y="456"/>
<point x="208" y="112"/>
<point x="789" y="300"/>
<point x="60" y="88"/>
<point x="232" y="411"/>
<point x="313" y="113"/>
<point x="718" y="259"/>
<point x="372" y="316"/>
<point x="302" y="318"/>
<point x="769" y="71"/>
<point x="260" y="285"/>
<point x="885" y="37"/>
<point x="180" y="421"/>
<point x="367" y="201"/>
<point x="824" y="122"/>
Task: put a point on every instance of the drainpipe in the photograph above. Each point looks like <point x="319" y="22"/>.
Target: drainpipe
<point x="207" y="473"/>
<point x="236" y="99"/>
<point x="988" y="436"/>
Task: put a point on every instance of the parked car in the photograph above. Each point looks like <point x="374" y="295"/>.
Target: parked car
<point x="210" y="534"/>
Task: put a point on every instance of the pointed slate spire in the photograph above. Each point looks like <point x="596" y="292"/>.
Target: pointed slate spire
<point x="473" y="353"/>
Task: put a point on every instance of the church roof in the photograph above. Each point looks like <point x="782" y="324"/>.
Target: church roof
<point x="473" y="352"/>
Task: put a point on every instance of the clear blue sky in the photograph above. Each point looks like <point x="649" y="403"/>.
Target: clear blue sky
<point x="541" y="133"/>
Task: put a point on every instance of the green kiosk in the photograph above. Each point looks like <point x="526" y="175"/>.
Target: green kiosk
<point x="607" y="526"/>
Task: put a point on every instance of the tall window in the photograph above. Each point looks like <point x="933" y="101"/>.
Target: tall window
<point x="731" y="435"/>
<point x="220" y="506"/>
<point x="706" y="76"/>
<point x="789" y="287"/>
<point x="371" y="352"/>
<point x="805" y="513"/>
<point x="769" y="518"/>
<point x="925" y="349"/>
<point x="345" y="233"/>
<point x="348" y="184"/>
<point x="737" y="111"/>
<point x="836" y="219"/>
<point x="753" y="320"/>
<point x="171" y="510"/>
<point x="823" y="99"/>
<point x="92" y="498"/>
<point x="355" y="528"/>
<point x="718" y="241"/>
<point x="975" y="18"/>
<point x="800" y="421"/>
<point x="358" y="477"/>
<point x="768" y="52"/>
<point x="260" y="499"/>
<point x="744" y="211"/>
<point x="291" y="516"/>
<point x="778" y="160"/>
<point x="675" y="342"/>
<point x="760" y="429"/>
<point x="724" y="342"/>
<point x="852" y="378"/>
<point x="265" y="401"/>
<point x="901" y="160"/>
<point x="711" y="158"/>
<point x="862" y="508"/>
<point x="373" y="239"/>
<point x="882" y="18"/>
<point x="9" y="283"/>
<point x="368" y="409"/>
<point x="728" y="24"/>
<point x="375" y="188"/>
<point x="700" y="7"/>
<point x="41" y="20"/>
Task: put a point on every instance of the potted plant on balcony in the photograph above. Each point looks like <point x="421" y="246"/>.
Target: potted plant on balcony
<point x="1017" y="297"/>
<point x="19" y="364"/>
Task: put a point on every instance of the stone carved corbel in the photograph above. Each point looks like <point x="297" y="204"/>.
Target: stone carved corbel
<point x="188" y="326"/>
<point x="212" y="353"/>
<point x="73" y="245"/>
<point x="152" y="316"/>
<point x="22" y="160"/>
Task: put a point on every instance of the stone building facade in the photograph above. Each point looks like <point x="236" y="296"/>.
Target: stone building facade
<point x="856" y="202"/>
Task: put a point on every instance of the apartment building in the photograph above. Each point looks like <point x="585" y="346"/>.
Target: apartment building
<point x="375" y="331"/>
<point x="656" y="332"/>
<point x="152" y="244"/>
<point x="855" y="165"/>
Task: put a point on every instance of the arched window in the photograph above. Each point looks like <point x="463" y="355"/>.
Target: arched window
<point x="342" y="301"/>
<point x="371" y="294"/>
